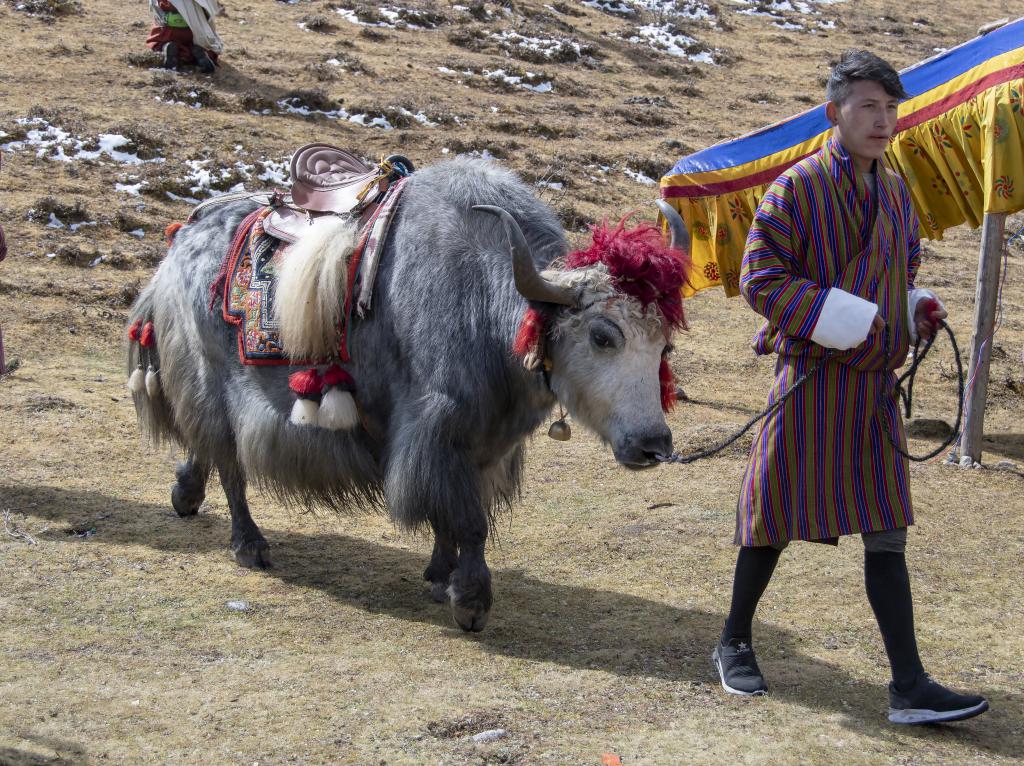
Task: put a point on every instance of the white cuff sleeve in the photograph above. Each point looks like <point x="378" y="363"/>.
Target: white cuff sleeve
<point x="845" y="320"/>
<point x="914" y="297"/>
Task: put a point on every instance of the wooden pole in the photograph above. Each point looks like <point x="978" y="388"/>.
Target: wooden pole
<point x="992" y="233"/>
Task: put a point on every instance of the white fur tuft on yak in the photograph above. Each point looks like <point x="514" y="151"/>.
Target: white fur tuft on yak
<point x="474" y="279"/>
<point x="311" y="288"/>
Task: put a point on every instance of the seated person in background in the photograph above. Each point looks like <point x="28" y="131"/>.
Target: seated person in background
<point x="183" y="30"/>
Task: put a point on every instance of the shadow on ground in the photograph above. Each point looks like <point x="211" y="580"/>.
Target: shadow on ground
<point x="573" y="626"/>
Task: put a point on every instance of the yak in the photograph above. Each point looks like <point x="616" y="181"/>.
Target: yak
<point x="444" y="404"/>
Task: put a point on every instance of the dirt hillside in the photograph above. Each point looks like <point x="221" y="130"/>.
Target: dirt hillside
<point x="120" y="637"/>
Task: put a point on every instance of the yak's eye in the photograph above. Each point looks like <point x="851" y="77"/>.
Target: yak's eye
<point x="605" y="335"/>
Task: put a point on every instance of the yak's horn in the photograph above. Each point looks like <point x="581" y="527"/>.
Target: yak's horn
<point x="680" y="236"/>
<point x="530" y="284"/>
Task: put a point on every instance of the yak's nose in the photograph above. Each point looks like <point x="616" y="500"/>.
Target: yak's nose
<point x="642" y="450"/>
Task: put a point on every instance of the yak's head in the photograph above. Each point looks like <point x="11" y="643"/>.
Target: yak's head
<point x="602" y="324"/>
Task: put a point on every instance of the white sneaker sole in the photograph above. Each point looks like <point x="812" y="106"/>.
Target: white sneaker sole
<point x="918" y="716"/>
<point x="721" y="677"/>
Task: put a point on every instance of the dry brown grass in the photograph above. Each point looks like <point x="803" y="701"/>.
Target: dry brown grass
<point x="116" y="642"/>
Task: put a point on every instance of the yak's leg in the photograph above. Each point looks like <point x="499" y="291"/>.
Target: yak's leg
<point x="442" y="562"/>
<point x="431" y="477"/>
<point x="250" y="547"/>
<point x="470" y="586"/>
<point x="189" y="491"/>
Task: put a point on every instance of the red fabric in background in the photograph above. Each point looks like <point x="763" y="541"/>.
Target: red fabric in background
<point x="160" y="36"/>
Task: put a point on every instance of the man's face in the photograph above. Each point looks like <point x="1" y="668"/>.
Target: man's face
<point x="864" y="121"/>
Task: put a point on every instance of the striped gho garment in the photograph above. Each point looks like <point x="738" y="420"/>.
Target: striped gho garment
<point x="822" y="466"/>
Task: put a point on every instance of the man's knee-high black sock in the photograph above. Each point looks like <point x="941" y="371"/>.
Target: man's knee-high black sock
<point x="888" y="585"/>
<point x="754" y="568"/>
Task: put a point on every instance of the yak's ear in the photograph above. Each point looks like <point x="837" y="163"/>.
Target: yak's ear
<point x="530" y="284"/>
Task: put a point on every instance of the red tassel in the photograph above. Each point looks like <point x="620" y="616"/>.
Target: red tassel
<point x="334" y="376"/>
<point x="134" y="330"/>
<point x="170" y="231"/>
<point x="529" y="333"/>
<point x="147" y="339"/>
<point x="668" y="388"/>
<point x="307" y="383"/>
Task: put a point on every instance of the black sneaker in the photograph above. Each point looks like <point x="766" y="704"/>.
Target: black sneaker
<point x="171" y="56"/>
<point x="203" y="60"/>
<point x="737" y="668"/>
<point x="930" y="702"/>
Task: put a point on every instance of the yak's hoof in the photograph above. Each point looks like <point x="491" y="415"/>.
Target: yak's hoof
<point x="439" y="591"/>
<point x="185" y="503"/>
<point x="472" y="618"/>
<point x="254" y="554"/>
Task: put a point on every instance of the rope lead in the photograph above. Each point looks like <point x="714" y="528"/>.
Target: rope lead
<point x="897" y="392"/>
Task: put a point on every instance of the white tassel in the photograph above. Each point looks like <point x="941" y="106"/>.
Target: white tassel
<point x="137" y="381"/>
<point x="304" y="412"/>
<point x="338" y="410"/>
<point x="152" y="383"/>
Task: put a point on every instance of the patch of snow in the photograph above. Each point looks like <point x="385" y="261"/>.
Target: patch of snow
<point x="294" y="106"/>
<point x="639" y="177"/>
<point x="52" y="142"/>
<point x="130" y="189"/>
<point x="616" y="7"/>
<point x="77" y="226"/>
<point x="521" y="82"/>
<point x="172" y="102"/>
<point x="137" y="233"/>
<point x="393" y="14"/>
<point x="276" y="171"/>
<point x="420" y="117"/>
<point x="548" y="47"/>
<point x="176" y="198"/>
<point x="55" y="222"/>
<point x="661" y="37"/>
<point x="371" y="122"/>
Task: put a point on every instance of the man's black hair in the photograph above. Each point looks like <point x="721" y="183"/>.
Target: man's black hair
<point x="857" y="65"/>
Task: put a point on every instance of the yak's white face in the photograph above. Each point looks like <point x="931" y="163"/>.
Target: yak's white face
<point x="606" y="357"/>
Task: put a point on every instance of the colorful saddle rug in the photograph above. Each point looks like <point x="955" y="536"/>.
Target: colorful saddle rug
<point x="249" y="287"/>
<point x="248" y="281"/>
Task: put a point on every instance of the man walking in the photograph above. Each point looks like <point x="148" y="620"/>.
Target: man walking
<point x="830" y="262"/>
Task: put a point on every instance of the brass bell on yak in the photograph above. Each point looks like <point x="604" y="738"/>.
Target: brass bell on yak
<point x="560" y="431"/>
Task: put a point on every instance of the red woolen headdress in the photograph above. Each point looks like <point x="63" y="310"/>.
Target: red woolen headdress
<point x="645" y="268"/>
<point x="641" y="265"/>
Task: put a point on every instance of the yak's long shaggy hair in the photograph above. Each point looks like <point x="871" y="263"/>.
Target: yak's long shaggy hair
<point x="640" y="264"/>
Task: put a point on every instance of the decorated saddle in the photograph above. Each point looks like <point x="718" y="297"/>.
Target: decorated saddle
<point x="330" y="188"/>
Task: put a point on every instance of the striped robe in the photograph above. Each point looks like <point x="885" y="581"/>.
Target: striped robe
<point x="821" y="466"/>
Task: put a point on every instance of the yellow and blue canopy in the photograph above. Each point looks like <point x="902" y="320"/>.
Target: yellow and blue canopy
<point x="959" y="145"/>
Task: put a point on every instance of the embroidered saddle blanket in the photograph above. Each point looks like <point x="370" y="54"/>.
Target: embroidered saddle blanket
<point x="247" y="282"/>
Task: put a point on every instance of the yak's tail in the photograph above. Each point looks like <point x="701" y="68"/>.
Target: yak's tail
<point x="311" y="288"/>
<point x="155" y="417"/>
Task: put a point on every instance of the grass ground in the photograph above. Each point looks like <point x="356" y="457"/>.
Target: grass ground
<point x="117" y="644"/>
